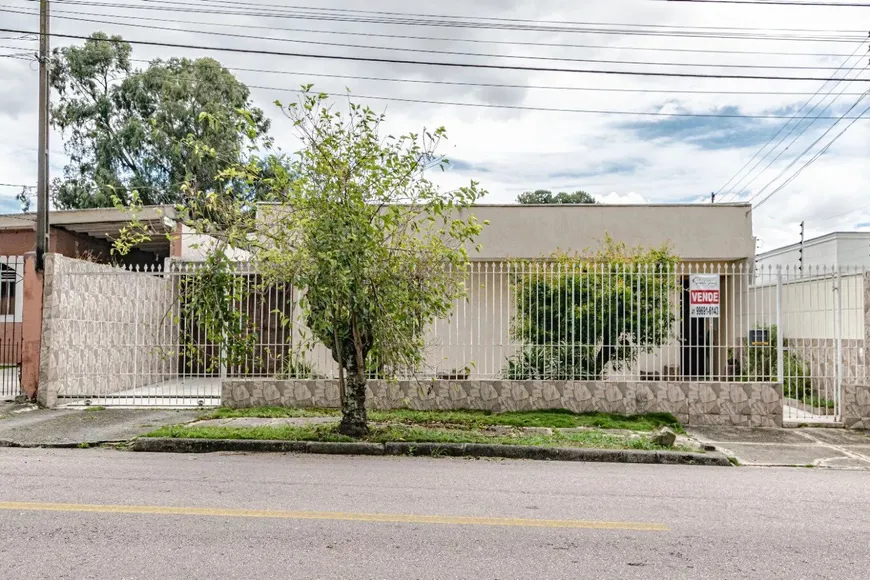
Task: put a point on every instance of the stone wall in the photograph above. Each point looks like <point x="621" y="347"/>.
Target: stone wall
<point x="737" y="404"/>
<point x="104" y="330"/>
<point x="820" y="358"/>
<point x="856" y="406"/>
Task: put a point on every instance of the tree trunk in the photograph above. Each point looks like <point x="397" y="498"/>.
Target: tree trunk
<point x="354" y="420"/>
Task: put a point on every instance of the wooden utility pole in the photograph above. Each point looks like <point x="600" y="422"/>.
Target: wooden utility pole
<point x="42" y="147"/>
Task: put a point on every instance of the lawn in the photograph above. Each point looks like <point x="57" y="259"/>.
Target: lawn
<point x="411" y="434"/>
<point x="476" y="419"/>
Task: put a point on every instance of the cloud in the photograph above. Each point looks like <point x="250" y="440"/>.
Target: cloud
<point x="622" y="198"/>
<point x="617" y="158"/>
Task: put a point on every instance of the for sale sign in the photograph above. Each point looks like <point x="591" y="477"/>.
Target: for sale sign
<point x="704" y="296"/>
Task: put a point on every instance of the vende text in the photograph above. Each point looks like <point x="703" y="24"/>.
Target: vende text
<point x="705" y="296"/>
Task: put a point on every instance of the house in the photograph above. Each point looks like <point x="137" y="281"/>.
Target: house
<point x="477" y="340"/>
<point x="715" y="240"/>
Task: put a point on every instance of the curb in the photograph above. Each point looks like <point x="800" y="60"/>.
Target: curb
<point x="60" y="445"/>
<point x="169" y="445"/>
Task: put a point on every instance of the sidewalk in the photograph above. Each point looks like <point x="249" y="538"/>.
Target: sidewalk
<point x="805" y="447"/>
<point x="28" y="426"/>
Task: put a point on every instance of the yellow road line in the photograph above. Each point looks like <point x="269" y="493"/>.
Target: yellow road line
<point x="339" y="516"/>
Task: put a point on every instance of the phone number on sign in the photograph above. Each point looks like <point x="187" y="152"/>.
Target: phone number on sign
<point x="705" y="311"/>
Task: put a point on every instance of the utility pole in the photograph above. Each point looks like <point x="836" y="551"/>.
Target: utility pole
<point x="713" y="197"/>
<point x="42" y="147"/>
<point x="801" y="252"/>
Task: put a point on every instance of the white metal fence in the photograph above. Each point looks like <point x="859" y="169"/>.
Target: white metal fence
<point x="150" y="336"/>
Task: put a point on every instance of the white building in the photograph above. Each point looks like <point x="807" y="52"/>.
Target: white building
<point x="835" y="251"/>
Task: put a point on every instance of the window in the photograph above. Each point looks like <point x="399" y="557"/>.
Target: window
<point x="11" y="291"/>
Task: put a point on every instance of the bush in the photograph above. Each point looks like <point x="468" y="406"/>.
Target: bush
<point x="760" y="364"/>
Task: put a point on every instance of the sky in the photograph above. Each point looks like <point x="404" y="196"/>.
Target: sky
<point x="502" y="138"/>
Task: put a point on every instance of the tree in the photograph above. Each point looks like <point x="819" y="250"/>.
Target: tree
<point x="378" y="251"/>
<point x="543" y="196"/>
<point x="577" y="318"/>
<point x="153" y="131"/>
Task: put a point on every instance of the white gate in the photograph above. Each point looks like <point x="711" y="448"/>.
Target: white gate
<point x="819" y="338"/>
<point x="129" y="336"/>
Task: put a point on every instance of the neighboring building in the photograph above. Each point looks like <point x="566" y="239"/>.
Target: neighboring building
<point x="833" y="251"/>
<point x="83" y="234"/>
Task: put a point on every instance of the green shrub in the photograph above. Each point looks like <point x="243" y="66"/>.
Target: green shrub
<point x="760" y="364"/>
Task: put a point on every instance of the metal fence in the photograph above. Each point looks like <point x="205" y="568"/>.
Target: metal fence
<point x="148" y="336"/>
<point x="11" y="311"/>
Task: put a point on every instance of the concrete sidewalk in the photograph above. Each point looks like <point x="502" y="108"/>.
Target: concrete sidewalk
<point x="29" y="426"/>
<point x="806" y="447"/>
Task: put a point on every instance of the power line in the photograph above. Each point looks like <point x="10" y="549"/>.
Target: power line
<point x="483" y="18"/>
<point x="810" y="161"/>
<point x="541" y="109"/>
<point x="817" y="155"/>
<point x="778" y="3"/>
<point x="431" y="63"/>
<point x="738" y="35"/>
<point x="516" y="86"/>
<point x="793" y="141"/>
<point x="432" y="51"/>
<point x="735" y="188"/>
<point x="845" y="213"/>
<point x="18" y="185"/>
<point x="467" y="40"/>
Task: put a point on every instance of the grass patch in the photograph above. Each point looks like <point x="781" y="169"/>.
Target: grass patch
<point x="94" y="409"/>
<point x="477" y="419"/>
<point x="269" y="413"/>
<point x="411" y="434"/>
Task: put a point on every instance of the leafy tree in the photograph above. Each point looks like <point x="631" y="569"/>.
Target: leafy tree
<point x="543" y="196"/>
<point x="175" y="123"/>
<point x="378" y="250"/>
<point x="577" y="318"/>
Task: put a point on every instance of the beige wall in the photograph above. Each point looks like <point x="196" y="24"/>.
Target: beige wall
<point x="695" y="232"/>
<point x="705" y="233"/>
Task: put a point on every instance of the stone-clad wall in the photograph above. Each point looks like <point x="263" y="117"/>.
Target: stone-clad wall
<point x="739" y="404"/>
<point x="104" y="330"/>
<point x="856" y="406"/>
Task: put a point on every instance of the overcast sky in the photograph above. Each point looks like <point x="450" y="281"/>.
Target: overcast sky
<point x="618" y="158"/>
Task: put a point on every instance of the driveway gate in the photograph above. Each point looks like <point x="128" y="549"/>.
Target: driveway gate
<point x="11" y="310"/>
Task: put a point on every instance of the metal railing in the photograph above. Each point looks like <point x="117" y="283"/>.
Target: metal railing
<point x="519" y="321"/>
<point x="11" y="307"/>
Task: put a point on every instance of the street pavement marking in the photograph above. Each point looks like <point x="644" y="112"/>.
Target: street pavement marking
<point x="338" y="516"/>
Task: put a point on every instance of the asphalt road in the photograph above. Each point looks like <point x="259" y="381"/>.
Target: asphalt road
<point x="104" y="514"/>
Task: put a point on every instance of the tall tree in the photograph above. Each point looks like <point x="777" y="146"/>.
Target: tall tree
<point x="176" y="123"/>
<point x="379" y="250"/>
<point x="543" y="196"/>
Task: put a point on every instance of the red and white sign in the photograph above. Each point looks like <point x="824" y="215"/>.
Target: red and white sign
<point x="704" y="296"/>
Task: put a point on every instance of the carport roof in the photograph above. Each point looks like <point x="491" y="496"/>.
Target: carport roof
<point x="102" y="223"/>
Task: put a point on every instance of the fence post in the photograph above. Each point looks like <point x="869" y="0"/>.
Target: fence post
<point x="780" y="350"/>
<point x="136" y="332"/>
<point x="838" y="334"/>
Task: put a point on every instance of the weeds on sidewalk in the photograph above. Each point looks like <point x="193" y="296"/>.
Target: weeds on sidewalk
<point x="471" y="419"/>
